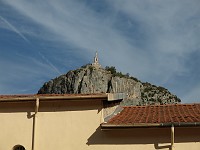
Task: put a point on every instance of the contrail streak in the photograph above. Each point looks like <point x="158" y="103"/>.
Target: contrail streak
<point x="14" y="29"/>
<point x="23" y="37"/>
<point x="49" y="63"/>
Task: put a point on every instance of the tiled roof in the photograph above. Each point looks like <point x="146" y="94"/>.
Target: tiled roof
<point x="157" y="114"/>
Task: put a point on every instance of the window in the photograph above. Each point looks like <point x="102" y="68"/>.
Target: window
<point x="19" y="147"/>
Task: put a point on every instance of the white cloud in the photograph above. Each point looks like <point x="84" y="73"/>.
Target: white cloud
<point x="169" y="31"/>
<point x="170" y="27"/>
<point x="80" y="27"/>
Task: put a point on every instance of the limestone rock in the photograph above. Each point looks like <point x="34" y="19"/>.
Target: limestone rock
<point x="92" y="79"/>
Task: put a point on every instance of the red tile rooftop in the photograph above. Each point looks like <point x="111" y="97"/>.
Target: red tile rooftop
<point x="157" y="114"/>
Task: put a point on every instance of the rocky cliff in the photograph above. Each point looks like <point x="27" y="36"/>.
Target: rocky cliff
<point x="91" y="79"/>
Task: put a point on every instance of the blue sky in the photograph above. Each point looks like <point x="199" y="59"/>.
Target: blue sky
<point x="156" y="41"/>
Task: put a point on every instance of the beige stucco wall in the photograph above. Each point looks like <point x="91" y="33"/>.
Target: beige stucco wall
<point x="15" y="125"/>
<point x="74" y="125"/>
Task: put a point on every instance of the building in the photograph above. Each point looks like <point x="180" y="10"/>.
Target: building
<point x="96" y="61"/>
<point x="95" y="122"/>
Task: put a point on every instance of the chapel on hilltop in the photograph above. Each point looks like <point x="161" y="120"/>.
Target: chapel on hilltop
<point x="96" y="61"/>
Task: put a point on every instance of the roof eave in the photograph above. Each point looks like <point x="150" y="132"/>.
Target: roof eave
<point x="46" y="98"/>
<point x="74" y="97"/>
<point x="105" y="126"/>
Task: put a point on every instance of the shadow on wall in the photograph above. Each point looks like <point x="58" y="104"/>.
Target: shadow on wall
<point x="160" y="137"/>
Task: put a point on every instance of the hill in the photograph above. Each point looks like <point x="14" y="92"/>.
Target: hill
<point x="92" y="78"/>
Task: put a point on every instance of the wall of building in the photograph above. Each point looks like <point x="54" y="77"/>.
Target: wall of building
<point x="74" y="125"/>
<point x="146" y="139"/>
<point x="16" y="125"/>
<point x="67" y="125"/>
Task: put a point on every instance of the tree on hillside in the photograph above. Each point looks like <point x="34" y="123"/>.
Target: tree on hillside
<point x="112" y="69"/>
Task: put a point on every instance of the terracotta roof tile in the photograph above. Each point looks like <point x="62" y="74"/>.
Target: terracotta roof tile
<point x="179" y="113"/>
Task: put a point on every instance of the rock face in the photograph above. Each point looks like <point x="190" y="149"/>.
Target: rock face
<point x="91" y="79"/>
